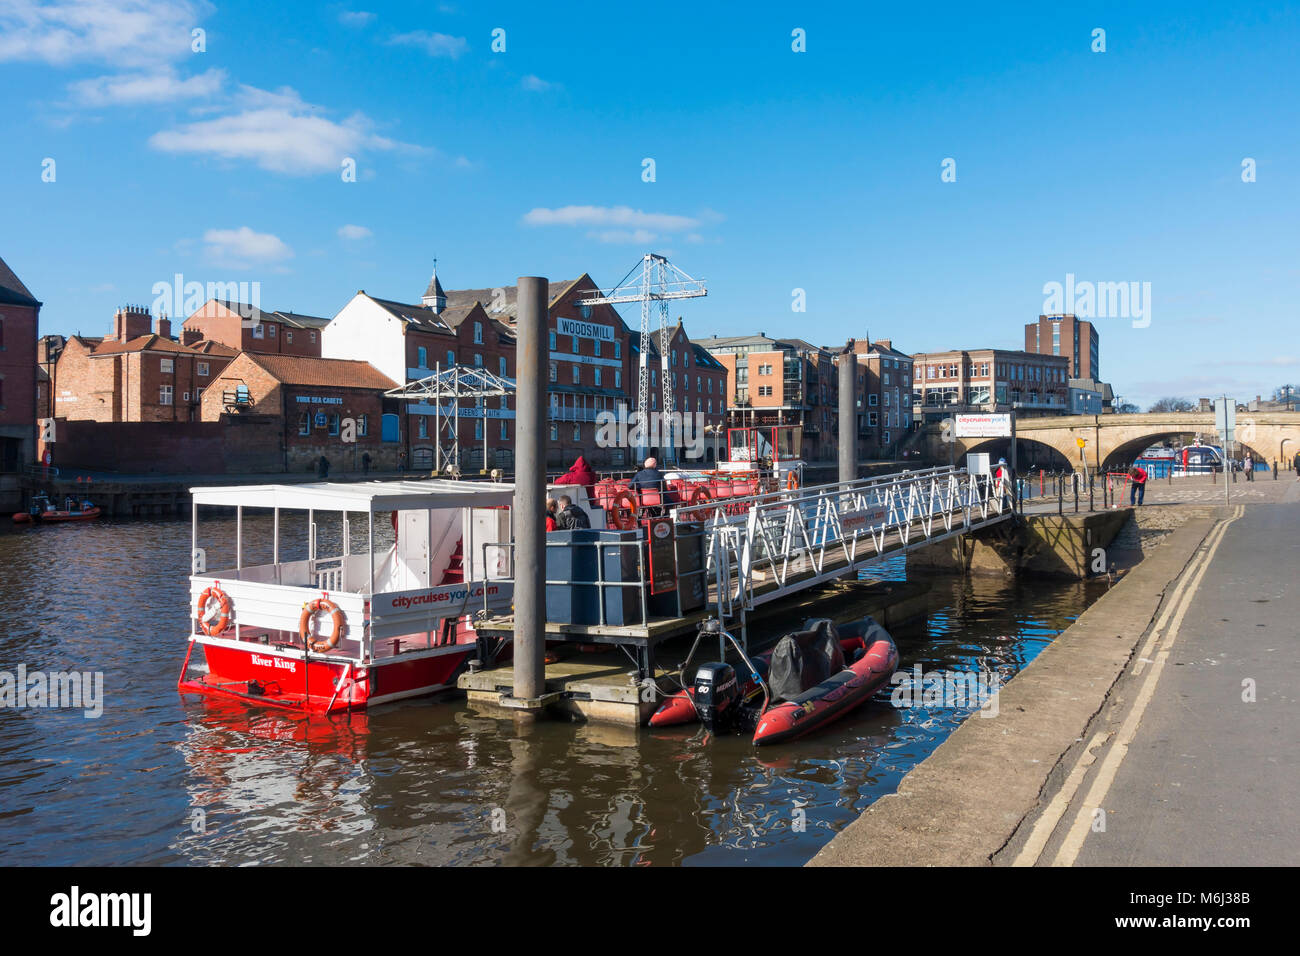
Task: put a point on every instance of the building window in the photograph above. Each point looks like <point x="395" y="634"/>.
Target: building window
<point x="288" y="336"/>
<point x="478" y="333"/>
<point x="478" y="428"/>
<point x="271" y="329"/>
<point x="597" y="373"/>
<point x="203" y="369"/>
<point x="576" y="346"/>
<point x="555" y="372"/>
<point x="185" y="396"/>
<point x="168" y="366"/>
<point x="313" y="337"/>
<point x="596" y="345"/>
<point x="873" y="399"/>
<point x="258" y="331"/>
<point x="422" y="429"/>
<point x="451" y="358"/>
<point x="505" y="431"/>
<point x="555" y="432"/>
<point x="552" y="341"/>
<point x="618" y="378"/>
<point x="165" y="395"/>
<point x="872" y="419"/>
<point x="478" y="360"/>
<point x="422" y="357"/>
<point x="577" y="433"/>
<point x="304" y="423"/>
<point x="577" y="375"/>
<point x="618" y="349"/>
<point x="503" y="366"/>
<point x="363" y="427"/>
<point x="334" y="423"/>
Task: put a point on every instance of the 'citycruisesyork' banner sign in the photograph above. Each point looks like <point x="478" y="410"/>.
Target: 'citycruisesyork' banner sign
<point x="454" y="597"/>
<point x="983" y="426"/>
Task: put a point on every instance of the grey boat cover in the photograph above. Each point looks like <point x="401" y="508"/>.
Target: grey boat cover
<point x="803" y="659"/>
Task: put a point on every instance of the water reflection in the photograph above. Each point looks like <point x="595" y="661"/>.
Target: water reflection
<point x="160" y="779"/>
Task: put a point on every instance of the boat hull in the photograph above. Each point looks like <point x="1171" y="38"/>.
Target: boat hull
<point x="832" y="699"/>
<point x="320" y="685"/>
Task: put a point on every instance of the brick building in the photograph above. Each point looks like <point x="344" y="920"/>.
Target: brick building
<point x="318" y="406"/>
<point x="135" y="374"/>
<point x="885" y="402"/>
<point x="408" y="342"/>
<point x="781" y="382"/>
<point x="1066" y="335"/>
<point x="988" y="380"/>
<point x="19" y="319"/>
<point x="246" y="328"/>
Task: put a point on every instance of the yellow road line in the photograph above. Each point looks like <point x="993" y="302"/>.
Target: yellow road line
<point x="1110" y="764"/>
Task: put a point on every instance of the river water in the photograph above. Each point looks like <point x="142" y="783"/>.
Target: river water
<point x="161" y="779"/>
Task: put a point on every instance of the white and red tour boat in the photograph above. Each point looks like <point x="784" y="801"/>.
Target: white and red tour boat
<point x="332" y="632"/>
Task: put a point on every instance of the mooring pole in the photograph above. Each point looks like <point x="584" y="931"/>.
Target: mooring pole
<point x="530" y="491"/>
<point x="848" y="415"/>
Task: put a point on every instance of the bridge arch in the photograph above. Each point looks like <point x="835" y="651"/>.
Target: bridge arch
<point x="1031" y="454"/>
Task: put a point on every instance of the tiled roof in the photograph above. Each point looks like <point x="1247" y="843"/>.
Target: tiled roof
<point x="209" y="347"/>
<point x="299" y="321"/>
<point x="305" y="370"/>
<point x="423" y="317"/>
<point x="502" y="302"/>
<point x="152" y="342"/>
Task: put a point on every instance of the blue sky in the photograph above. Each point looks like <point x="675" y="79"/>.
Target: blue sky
<point x="775" y="170"/>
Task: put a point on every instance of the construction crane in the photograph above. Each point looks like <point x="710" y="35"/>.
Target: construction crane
<point x="660" y="281"/>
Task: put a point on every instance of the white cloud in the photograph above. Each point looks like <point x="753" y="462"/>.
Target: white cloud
<point x="434" y="44"/>
<point x="624" y="236"/>
<point x="242" y="248"/>
<point x="537" y="84"/>
<point x="129" y="33"/>
<point x="164" y="86"/>
<point x="356" y="18"/>
<point x="278" y="131"/>
<point x="354" y="232"/>
<point x="624" y="217"/>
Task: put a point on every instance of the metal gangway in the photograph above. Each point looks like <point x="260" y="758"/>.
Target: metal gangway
<point x="782" y="543"/>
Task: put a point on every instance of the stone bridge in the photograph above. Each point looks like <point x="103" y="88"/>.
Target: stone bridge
<point x="1115" y="440"/>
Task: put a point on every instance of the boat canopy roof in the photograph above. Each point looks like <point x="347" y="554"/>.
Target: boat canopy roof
<point x="364" y="496"/>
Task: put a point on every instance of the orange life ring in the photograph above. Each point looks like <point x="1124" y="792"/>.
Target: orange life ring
<point x="213" y="627"/>
<point x="310" y="610"/>
<point x="792" y="482"/>
<point x="617" y="516"/>
<point x="699" y="501"/>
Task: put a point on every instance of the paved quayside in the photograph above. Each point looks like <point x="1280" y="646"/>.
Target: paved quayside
<point x="1128" y="739"/>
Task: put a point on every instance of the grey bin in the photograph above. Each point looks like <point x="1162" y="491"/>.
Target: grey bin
<point x="572" y="556"/>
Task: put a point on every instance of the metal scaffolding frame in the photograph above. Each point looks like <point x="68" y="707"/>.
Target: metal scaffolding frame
<point x="660" y="281"/>
<point x="453" y="385"/>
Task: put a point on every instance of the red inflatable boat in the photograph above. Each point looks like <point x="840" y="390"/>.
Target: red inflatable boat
<point x="813" y="676"/>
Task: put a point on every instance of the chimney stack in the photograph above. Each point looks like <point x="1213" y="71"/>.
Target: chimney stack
<point x="190" y="336"/>
<point x="131" y="322"/>
<point x="164" y="327"/>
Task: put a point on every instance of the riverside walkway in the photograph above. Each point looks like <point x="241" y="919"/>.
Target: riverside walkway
<point x="1157" y="730"/>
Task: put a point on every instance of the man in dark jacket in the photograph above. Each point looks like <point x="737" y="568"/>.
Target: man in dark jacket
<point x="649" y="478"/>
<point x="570" y="517"/>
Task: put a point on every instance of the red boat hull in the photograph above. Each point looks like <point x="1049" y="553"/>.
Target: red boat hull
<point x="320" y="685"/>
<point x="832" y="698"/>
<point x="22" y="517"/>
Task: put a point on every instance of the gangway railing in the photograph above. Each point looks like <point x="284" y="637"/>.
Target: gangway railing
<point x="789" y="541"/>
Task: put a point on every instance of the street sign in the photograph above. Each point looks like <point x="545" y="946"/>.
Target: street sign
<point x="1225" y="418"/>
<point x="1081" y="442"/>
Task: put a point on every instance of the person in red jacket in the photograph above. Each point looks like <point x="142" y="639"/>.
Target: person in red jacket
<point x="1137" y="485"/>
<point x="580" y="473"/>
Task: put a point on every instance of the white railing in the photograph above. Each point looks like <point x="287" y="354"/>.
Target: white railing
<point x="792" y="540"/>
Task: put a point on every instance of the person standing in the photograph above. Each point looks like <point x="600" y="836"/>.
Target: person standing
<point x="1137" y="485"/>
<point x="365" y="463"/>
<point x="323" y="467"/>
<point x="570" y="517"/>
<point x="1248" y="463"/>
<point x="552" y="519"/>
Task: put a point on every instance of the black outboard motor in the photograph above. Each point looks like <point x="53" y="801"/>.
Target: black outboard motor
<point x="717" y="695"/>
